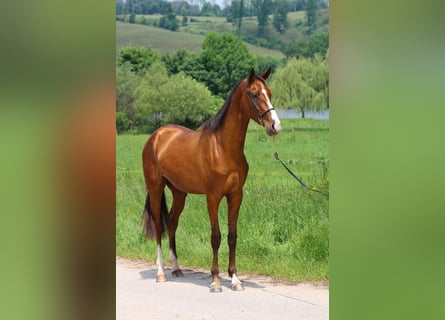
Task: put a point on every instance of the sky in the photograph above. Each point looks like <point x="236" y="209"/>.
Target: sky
<point x="221" y="3"/>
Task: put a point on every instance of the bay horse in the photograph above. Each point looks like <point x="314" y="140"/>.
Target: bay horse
<point x="207" y="161"/>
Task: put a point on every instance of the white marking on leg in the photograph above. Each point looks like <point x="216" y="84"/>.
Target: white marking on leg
<point x="236" y="284"/>
<point x="160" y="261"/>
<point x="173" y="260"/>
<point x="235" y="280"/>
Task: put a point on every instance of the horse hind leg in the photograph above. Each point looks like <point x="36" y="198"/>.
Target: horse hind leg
<point x="175" y="212"/>
<point x="155" y="213"/>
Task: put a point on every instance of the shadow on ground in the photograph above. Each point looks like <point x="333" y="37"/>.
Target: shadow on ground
<point x="198" y="278"/>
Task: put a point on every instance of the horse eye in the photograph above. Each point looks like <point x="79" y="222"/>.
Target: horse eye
<point x="255" y="96"/>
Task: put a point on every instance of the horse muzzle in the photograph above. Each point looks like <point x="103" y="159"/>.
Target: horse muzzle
<point x="273" y="129"/>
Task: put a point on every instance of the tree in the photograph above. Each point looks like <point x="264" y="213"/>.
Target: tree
<point x="226" y="60"/>
<point x="149" y="101"/>
<point x="217" y="10"/>
<point x="302" y="84"/>
<point x="176" y="62"/>
<point x="126" y="83"/>
<point x="168" y="19"/>
<point x="296" y="5"/>
<point x="311" y="7"/>
<point x="139" y="58"/>
<point x="296" y="50"/>
<point x="122" y="122"/>
<point x="263" y="9"/>
<point x="317" y="43"/>
<point x="279" y="21"/>
<point x="236" y="13"/>
<point x="184" y="21"/>
<point x="132" y="18"/>
<point x="188" y="102"/>
<point x="179" y="99"/>
<point x="120" y="7"/>
<point x="207" y="9"/>
<point x="265" y="62"/>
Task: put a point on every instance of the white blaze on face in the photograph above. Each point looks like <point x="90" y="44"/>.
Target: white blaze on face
<point x="273" y="113"/>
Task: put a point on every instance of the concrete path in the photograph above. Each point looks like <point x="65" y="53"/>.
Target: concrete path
<point x="138" y="296"/>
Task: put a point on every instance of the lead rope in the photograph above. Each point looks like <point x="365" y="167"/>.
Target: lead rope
<point x="293" y="174"/>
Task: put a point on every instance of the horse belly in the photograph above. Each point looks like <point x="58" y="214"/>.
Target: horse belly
<point x="186" y="181"/>
<point x="198" y="179"/>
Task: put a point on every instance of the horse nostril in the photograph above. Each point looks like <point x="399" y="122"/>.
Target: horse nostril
<point x="276" y="128"/>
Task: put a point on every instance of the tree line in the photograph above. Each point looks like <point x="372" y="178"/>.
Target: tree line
<point x="267" y="11"/>
<point x="207" y="8"/>
<point x="234" y="12"/>
<point x="187" y="88"/>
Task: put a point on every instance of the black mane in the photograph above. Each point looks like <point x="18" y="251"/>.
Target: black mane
<point x="214" y="122"/>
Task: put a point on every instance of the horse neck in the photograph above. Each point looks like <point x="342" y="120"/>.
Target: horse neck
<point x="233" y="131"/>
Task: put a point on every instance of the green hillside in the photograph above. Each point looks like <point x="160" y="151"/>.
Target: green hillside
<point x="167" y="41"/>
<point x="156" y="38"/>
<point x="201" y="25"/>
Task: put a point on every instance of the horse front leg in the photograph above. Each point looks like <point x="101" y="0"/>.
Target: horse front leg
<point x="234" y="203"/>
<point x="212" y="206"/>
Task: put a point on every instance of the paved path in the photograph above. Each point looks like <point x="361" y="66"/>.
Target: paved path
<point x="138" y="296"/>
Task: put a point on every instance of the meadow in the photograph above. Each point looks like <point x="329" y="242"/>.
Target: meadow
<point x="164" y="40"/>
<point x="191" y="36"/>
<point x="283" y="230"/>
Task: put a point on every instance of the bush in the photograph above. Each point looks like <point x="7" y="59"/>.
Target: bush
<point x="122" y="122"/>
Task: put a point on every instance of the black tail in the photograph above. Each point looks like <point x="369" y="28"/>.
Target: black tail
<point x="148" y="221"/>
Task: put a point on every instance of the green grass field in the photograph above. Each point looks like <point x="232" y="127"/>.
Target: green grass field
<point x="156" y="38"/>
<point x="191" y="36"/>
<point x="283" y="230"/>
<point x="164" y="40"/>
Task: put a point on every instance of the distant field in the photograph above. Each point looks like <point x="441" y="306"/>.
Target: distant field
<point x="190" y="37"/>
<point x="168" y="41"/>
<point x="156" y="38"/>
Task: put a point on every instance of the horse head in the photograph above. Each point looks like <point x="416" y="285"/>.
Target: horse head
<point x="259" y="100"/>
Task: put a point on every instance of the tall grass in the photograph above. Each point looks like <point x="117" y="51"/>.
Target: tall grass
<point x="283" y="230"/>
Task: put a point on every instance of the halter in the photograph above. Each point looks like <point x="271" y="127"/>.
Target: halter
<point x="255" y="109"/>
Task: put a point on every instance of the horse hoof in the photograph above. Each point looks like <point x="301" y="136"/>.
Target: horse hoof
<point x="214" y="289"/>
<point x="237" y="287"/>
<point x="161" y="278"/>
<point x="177" y="273"/>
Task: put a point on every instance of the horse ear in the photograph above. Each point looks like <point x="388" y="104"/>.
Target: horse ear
<point x="251" y="76"/>
<point x="266" y="73"/>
